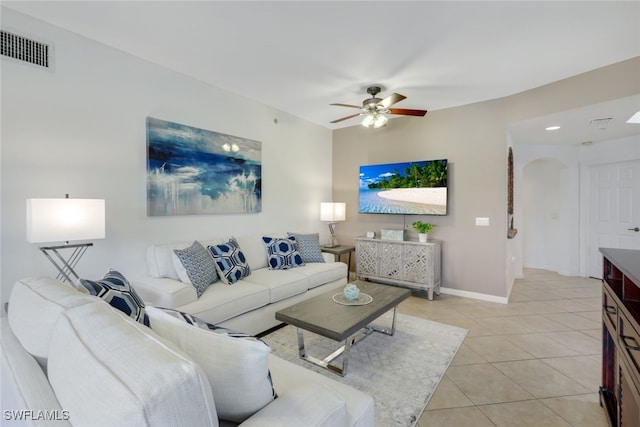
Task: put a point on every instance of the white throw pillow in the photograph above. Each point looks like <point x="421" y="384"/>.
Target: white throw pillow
<point x="109" y="370"/>
<point x="236" y="365"/>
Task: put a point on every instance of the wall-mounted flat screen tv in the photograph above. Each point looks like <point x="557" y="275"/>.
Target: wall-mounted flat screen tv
<point x="410" y="188"/>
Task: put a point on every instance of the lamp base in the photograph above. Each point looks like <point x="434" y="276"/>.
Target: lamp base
<point x="65" y="266"/>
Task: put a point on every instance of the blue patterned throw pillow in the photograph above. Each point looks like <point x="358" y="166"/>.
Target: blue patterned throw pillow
<point x="196" y="266"/>
<point x="230" y="261"/>
<point x="309" y="246"/>
<point x="282" y="253"/>
<point x="115" y="289"/>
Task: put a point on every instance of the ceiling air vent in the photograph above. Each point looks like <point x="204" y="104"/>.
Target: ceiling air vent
<point x="24" y="49"/>
<point x="600" y="123"/>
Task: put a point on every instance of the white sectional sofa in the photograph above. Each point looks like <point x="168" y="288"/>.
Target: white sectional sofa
<point x="248" y="305"/>
<point x="70" y="358"/>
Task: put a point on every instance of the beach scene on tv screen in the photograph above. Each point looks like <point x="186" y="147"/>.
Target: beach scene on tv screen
<point x="404" y="188"/>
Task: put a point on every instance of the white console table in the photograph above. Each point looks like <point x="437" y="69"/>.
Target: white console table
<point x="407" y="263"/>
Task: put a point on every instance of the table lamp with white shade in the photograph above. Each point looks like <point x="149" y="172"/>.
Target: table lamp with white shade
<point x="332" y="212"/>
<point x="65" y="220"/>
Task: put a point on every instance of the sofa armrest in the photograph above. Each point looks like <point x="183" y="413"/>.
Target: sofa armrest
<point x="328" y="257"/>
<point x="25" y="386"/>
<point x="165" y="292"/>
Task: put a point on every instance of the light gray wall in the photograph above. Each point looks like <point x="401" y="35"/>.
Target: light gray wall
<point x="474" y="139"/>
<point x="80" y="129"/>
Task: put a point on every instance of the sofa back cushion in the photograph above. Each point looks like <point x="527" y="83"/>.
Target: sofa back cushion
<point x="109" y="370"/>
<point x="160" y="261"/>
<point x="35" y="305"/>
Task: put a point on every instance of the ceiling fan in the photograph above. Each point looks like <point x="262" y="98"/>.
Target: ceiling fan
<point x="375" y="109"/>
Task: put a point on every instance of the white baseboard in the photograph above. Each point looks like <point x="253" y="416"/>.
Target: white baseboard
<point x="474" y="295"/>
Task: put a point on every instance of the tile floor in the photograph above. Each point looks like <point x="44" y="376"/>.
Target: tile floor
<point x="532" y="362"/>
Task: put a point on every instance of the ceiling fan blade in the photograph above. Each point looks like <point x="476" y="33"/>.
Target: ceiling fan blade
<point x="407" y="112"/>
<point x="345" y="118"/>
<point x="390" y="100"/>
<point x="348" y="105"/>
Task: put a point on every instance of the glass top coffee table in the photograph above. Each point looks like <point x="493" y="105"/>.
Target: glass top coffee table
<point x="343" y="323"/>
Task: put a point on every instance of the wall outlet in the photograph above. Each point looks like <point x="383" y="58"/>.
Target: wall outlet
<point x="482" y="222"/>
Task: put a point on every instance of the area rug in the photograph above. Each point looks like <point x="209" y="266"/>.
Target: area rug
<point x="401" y="372"/>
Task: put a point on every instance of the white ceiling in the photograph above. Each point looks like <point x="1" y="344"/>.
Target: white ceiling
<point x="300" y="56"/>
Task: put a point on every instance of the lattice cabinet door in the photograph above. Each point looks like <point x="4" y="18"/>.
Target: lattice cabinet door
<point x="366" y="258"/>
<point x="390" y="260"/>
<point x="418" y="264"/>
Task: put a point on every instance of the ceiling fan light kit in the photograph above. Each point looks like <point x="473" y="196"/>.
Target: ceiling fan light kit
<point x="375" y="110"/>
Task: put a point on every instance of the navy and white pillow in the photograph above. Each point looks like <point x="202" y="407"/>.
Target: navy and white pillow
<point x="230" y="262"/>
<point x="309" y="246"/>
<point x="115" y="289"/>
<point x="195" y="266"/>
<point x="282" y="253"/>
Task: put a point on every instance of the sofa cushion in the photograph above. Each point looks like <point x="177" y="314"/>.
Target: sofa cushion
<point x="115" y="289"/>
<point x="309" y="247"/>
<point x="195" y="266"/>
<point x="109" y="370"/>
<point x="221" y="302"/>
<point x="309" y="405"/>
<point x="34" y="307"/>
<point x="281" y="284"/>
<point x="282" y="253"/>
<point x="289" y="377"/>
<point x="230" y="261"/>
<point x="321" y="273"/>
<point x="236" y="365"/>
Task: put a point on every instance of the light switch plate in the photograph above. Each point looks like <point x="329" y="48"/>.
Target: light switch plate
<point x="482" y="222"/>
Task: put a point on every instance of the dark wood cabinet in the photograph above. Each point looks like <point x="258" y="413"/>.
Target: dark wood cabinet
<point x="620" y="390"/>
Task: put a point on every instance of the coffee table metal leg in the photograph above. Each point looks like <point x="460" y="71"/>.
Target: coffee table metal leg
<point x="386" y="331"/>
<point x="326" y="362"/>
<point x="344" y="350"/>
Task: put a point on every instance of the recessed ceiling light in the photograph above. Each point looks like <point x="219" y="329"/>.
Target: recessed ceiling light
<point x="552" y="128"/>
<point x="635" y="118"/>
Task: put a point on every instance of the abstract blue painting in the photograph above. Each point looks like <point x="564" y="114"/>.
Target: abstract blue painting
<point x="192" y="171"/>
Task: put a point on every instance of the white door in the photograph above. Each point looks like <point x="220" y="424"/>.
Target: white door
<point x="614" y="210"/>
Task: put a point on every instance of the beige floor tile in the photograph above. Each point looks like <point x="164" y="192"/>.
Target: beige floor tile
<point x="457" y="417"/>
<point x="485" y="384"/>
<point x="540" y="379"/>
<point x="594" y="333"/>
<point x="539" y="345"/>
<point x="586" y="370"/>
<point x="532" y="307"/>
<point x="466" y="356"/>
<point x="570" y="305"/>
<point x="448" y="395"/>
<point x="581" y="410"/>
<point x="496" y="348"/>
<point x="474" y="328"/>
<point x="521" y="324"/>
<point x="592" y="303"/>
<point x="594" y="316"/>
<point x="574" y="321"/>
<point x="530" y="413"/>
<point x="579" y="292"/>
<point x="577" y="341"/>
<point x="546" y="342"/>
